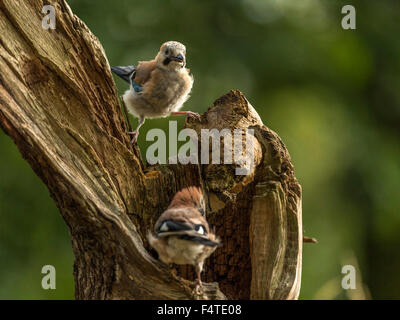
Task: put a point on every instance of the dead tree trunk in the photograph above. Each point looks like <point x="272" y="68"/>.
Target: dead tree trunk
<point x="60" y="106"/>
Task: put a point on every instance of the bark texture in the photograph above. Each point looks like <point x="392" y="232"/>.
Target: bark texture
<point x="60" y="106"/>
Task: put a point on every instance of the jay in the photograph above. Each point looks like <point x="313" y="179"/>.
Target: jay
<point x="182" y="234"/>
<point x="158" y="88"/>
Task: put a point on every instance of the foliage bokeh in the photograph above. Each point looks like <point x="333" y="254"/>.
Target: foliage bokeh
<point x="331" y="94"/>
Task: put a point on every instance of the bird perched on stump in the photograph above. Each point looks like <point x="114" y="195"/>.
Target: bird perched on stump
<point x="158" y="88"/>
<point x="182" y="234"/>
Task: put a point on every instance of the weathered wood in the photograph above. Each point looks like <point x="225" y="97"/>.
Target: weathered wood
<point x="258" y="216"/>
<point x="60" y="106"/>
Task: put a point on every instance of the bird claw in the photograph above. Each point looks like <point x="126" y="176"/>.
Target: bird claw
<point x="198" y="289"/>
<point x="191" y="114"/>
<point x="135" y="135"/>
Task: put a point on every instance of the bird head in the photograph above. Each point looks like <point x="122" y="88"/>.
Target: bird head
<point x="172" y="55"/>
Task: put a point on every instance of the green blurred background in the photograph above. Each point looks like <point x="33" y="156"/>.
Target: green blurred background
<point x="331" y="94"/>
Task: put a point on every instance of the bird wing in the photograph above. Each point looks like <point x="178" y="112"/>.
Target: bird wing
<point x="144" y="70"/>
<point x="125" y="72"/>
<point x="140" y="73"/>
<point x="185" y="231"/>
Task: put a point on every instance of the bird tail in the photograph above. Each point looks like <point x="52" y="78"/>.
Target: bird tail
<point x="189" y="197"/>
<point x="124" y="72"/>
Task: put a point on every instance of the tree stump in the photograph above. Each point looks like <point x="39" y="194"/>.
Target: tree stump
<point x="60" y="106"/>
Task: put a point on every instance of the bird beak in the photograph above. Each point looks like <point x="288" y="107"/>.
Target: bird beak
<point x="178" y="58"/>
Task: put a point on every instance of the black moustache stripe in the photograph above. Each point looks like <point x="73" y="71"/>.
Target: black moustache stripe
<point x="166" y="61"/>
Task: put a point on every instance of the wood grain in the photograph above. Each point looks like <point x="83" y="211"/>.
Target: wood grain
<point x="59" y="105"/>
